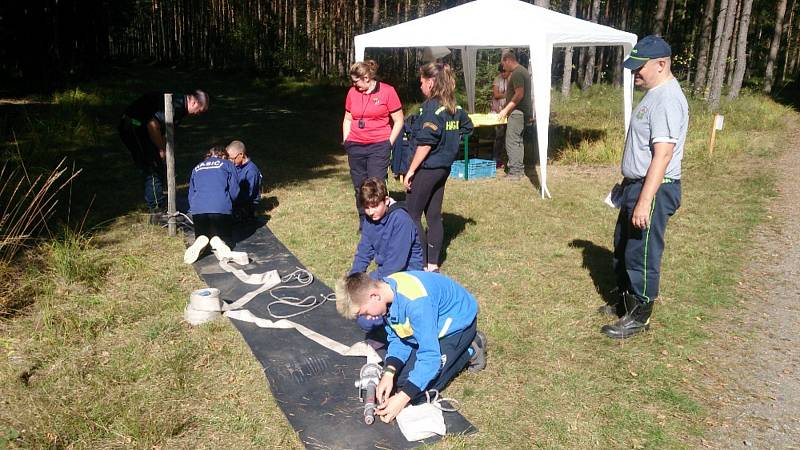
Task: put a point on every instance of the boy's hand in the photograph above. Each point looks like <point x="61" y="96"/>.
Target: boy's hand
<point x="384" y="388"/>
<point x="392" y="407"/>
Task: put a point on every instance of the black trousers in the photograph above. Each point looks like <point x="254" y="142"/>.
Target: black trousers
<point x="145" y="157"/>
<point x="455" y="356"/>
<point x="426" y="196"/>
<point x="210" y="225"/>
<point x="637" y="253"/>
<point x="367" y="160"/>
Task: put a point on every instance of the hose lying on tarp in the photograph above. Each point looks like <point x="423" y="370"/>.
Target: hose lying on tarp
<point x="206" y="305"/>
<point x="357" y="349"/>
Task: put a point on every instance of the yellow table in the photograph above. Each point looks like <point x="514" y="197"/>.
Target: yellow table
<point x="479" y="120"/>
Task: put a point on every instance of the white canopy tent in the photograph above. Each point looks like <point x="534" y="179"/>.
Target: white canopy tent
<point x="506" y="23"/>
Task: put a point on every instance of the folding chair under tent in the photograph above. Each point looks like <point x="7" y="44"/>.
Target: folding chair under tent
<point x="474" y="26"/>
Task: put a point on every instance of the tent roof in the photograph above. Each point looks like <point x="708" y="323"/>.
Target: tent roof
<point x="495" y="23"/>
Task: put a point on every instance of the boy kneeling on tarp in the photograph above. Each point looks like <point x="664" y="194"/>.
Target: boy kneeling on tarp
<point x="388" y="236"/>
<point x="431" y="328"/>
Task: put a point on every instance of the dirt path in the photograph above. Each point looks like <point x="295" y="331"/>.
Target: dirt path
<point x="755" y="375"/>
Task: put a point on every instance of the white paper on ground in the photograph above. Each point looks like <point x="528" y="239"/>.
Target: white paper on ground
<point x="614" y="198"/>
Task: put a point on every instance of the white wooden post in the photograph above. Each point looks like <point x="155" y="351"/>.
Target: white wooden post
<point x="170" y="135"/>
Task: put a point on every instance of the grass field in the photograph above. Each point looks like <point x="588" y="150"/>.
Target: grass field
<point x="97" y="355"/>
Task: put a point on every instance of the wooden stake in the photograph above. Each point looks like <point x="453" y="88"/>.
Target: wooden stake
<point x="713" y="135"/>
<point x="170" y="135"/>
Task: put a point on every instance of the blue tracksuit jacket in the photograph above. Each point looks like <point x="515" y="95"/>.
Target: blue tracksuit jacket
<point x="213" y="186"/>
<point x="392" y="242"/>
<point x="427" y="306"/>
<point x="249" y="184"/>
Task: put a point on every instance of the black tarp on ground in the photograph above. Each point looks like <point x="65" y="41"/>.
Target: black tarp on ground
<point x="311" y="384"/>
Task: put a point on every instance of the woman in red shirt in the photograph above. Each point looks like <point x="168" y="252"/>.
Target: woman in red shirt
<point x="367" y="131"/>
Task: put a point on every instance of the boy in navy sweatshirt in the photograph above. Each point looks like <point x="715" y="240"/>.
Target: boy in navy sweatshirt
<point x="388" y="236"/>
<point x="431" y="328"/>
<point x="249" y="181"/>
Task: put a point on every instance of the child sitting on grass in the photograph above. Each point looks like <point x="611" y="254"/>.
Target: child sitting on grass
<point x="212" y="188"/>
<point x="388" y="236"/>
<point x="432" y="332"/>
<point x="249" y="181"/>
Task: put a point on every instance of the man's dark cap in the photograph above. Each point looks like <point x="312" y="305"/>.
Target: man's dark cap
<point x="649" y="47"/>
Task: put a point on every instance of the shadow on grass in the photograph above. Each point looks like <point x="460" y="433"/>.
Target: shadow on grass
<point x="563" y="137"/>
<point x="560" y="139"/>
<point x="788" y="94"/>
<point x="292" y="133"/>
<point x="598" y="261"/>
<point x="453" y="226"/>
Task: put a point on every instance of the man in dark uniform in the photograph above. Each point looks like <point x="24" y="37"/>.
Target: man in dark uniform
<point x="142" y="129"/>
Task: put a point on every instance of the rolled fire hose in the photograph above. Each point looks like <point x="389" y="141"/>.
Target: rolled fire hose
<point x="205" y="304"/>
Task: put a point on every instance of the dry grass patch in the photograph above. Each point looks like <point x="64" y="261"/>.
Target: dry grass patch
<point x="114" y="366"/>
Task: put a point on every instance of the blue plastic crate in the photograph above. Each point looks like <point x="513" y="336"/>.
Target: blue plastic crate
<point x="478" y="168"/>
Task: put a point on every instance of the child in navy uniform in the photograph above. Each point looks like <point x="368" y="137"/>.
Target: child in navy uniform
<point x="432" y="332"/>
<point x="249" y="181"/>
<point x="388" y="236"/>
<point x="212" y="188"/>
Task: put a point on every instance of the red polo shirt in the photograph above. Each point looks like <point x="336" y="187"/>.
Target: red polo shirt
<point x="374" y="110"/>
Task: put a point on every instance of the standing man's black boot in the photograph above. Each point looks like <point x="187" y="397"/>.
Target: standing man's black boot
<point x="617" y="308"/>
<point x="635" y="320"/>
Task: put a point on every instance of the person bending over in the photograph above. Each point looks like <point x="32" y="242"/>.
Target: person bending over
<point x="142" y="128"/>
<point x="249" y="181"/>
<point x="212" y="188"/>
<point x="388" y="237"/>
<point x="432" y="332"/>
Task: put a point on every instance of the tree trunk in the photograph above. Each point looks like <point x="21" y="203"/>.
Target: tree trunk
<point x="741" y="50"/>
<point x="668" y="31"/>
<point x="705" y="44"/>
<point x="625" y="8"/>
<point x="589" y="74"/>
<point x="734" y="41"/>
<point x="661" y="9"/>
<point x="789" y="52"/>
<point x="715" y="92"/>
<point x="715" y="55"/>
<point x="566" y="79"/>
<point x="769" y="76"/>
<point x="376" y="13"/>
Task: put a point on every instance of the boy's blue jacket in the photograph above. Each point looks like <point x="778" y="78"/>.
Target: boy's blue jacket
<point x="249" y="184"/>
<point x="392" y="242"/>
<point x="427" y="306"/>
<point x="442" y="131"/>
<point x="212" y="187"/>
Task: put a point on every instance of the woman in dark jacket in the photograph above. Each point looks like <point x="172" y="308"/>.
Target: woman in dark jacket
<point x="437" y="133"/>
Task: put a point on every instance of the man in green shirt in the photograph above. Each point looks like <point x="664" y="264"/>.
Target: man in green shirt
<point x="518" y="109"/>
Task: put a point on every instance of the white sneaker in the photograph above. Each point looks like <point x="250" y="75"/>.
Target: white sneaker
<point x="220" y="246"/>
<point x="193" y="252"/>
